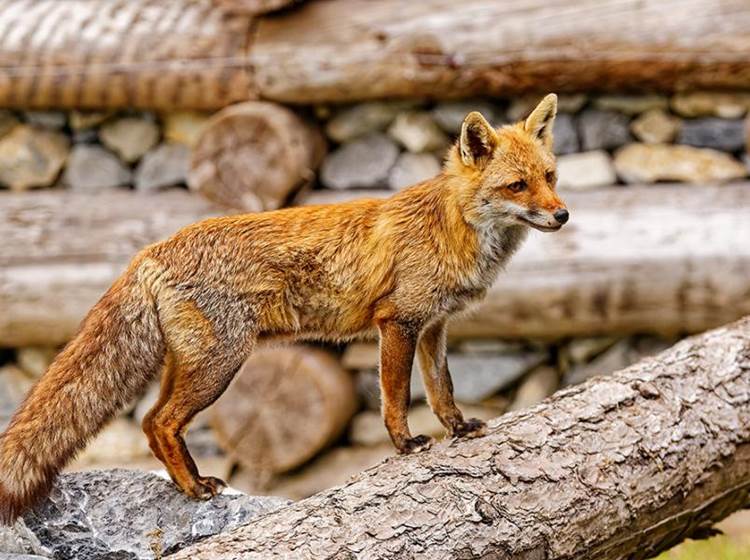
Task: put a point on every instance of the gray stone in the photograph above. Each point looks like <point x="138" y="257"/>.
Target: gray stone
<point x="363" y="118"/>
<point x="85" y="136"/>
<point x="92" y="167"/>
<point x="129" y="137"/>
<point x="746" y="161"/>
<point x="720" y="134"/>
<point x="164" y="166"/>
<point x="631" y="104"/>
<point x="565" y="135"/>
<point x="726" y="105"/>
<point x="603" y="130"/>
<point x="585" y="170"/>
<point x="450" y="115"/>
<point x="571" y="103"/>
<point x="655" y="127"/>
<point x="53" y="120"/>
<point x="619" y="356"/>
<point x="31" y="157"/>
<point x="364" y="162"/>
<point x="539" y="384"/>
<point x="413" y="168"/>
<point x="582" y="350"/>
<point x="123" y="515"/>
<point x="418" y="132"/>
<point x="521" y="107"/>
<point x="35" y="360"/>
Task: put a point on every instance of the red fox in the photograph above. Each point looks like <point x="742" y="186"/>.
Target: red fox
<point x="195" y="306"/>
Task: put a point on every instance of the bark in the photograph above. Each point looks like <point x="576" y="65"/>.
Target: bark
<point x="190" y="54"/>
<point x="284" y="406"/>
<point x="620" y="467"/>
<point x="661" y="259"/>
<point x="253" y="156"/>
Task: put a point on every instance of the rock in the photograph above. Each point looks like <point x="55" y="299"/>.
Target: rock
<point x="14" y="385"/>
<point x="450" y="115"/>
<point x="631" y="104"/>
<point x="565" y="135"/>
<point x="367" y="385"/>
<point x="603" y="130"/>
<point x="7" y="122"/>
<point x="121" y="514"/>
<point x="129" y="137"/>
<point x="363" y="118"/>
<point x="413" y="168"/>
<point x="536" y="386"/>
<point x="746" y="161"/>
<point x="52" y="120"/>
<point x="418" y="132"/>
<point x="165" y="166"/>
<point x="85" y="136"/>
<point x="82" y="120"/>
<point x="585" y="170"/>
<point x="488" y="346"/>
<point x="35" y="360"/>
<point x="521" y="107"/>
<point x="92" y="167"/>
<point x="364" y="162"/>
<point x="582" y="350"/>
<point x="367" y="427"/>
<point x="645" y="346"/>
<point x="726" y="105"/>
<point x="648" y="163"/>
<point x="619" y="356"/>
<point x="655" y="127"/>
<point x="727" y="135"/>
<point x="361" y="355"/>
<point x="184" y="127"/>
<point x="571" y="103"/>
<point x="31" y="157"/>
<point x="121" y="440"/>
<point x="330" y="196"/>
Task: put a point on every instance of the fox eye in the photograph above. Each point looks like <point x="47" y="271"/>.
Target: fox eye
<point x="517" y="186"/>
<point x="550" y="177"/>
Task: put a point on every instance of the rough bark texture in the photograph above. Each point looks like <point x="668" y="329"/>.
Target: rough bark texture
<point x="619" y="467"/>
<point x="190" y="54"/>
<point x="253" y="156"/>
<point x="283" y="407"/>
<point x="659" y="258"/>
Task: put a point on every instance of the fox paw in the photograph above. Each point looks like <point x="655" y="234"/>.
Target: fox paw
<point x="416" y="444"/>
<point x="208" y="486"/>
<point x="471" y="428"/>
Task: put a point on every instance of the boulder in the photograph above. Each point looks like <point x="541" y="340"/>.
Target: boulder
<point x="364" y="162"/>
<point x="363" y="118"/>
<point x="165" y="166"/>
<point x="31" y="157"/>
<point x="726" y="105"/>
<point x="418" y="132"/>
<point x="450" y="115"/>
<point x="603" y="130"/>
<point x="727" y="135"/>
<point x="413" y="168"/>
<point x="631" y="104"/>
<point x="130" y="137"/>
<point x="585" y="170"/>
<point x="565" y="135"/>
<point x="648" y="163"/>
<point x="655" y="127"/>
<point x="184" y="127"/>
<point x="123" y="515"/>
<point x="92" y="167"/>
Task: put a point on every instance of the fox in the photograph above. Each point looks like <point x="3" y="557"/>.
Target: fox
<point x="193" y="307"/>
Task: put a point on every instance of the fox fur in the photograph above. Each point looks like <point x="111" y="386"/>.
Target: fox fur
<point x="195" y="305"/>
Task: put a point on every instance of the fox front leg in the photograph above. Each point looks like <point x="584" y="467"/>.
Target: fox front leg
<point x="433" y="363"/>
<point x="397" y="346"/>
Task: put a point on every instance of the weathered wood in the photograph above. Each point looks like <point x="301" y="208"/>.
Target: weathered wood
<point x="190" y="54"/>
<point x="254" y="7"/>
<point x="659" y="259"/>
<point x="253" y="156"/>
<point x="620" y="467"/>
<point x="285" y="405"/>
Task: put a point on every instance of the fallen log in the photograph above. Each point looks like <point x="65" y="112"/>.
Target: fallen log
<point x="191" y="54"/>
<point x="253" y="156"/>
<point x="620" y="467"/>
<point x="658" y="259"/>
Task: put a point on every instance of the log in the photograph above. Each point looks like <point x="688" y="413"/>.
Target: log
<point x="254" y="7"/>
<point x="253" y="156"/>
<point x="660" y="259"/>
<point x="620" y="467"/>
<point x="188" y="54"/>
<point x="284" y="406"/>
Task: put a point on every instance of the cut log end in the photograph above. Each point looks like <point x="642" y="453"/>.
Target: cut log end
<point x="253" y="156"/>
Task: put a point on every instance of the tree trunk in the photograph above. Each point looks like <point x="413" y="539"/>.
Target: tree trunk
<point x="284" y="406"/>
<point x="190" y="54"/>
<point x="620" y="467"/>
<point x="253" y="156"/>
<point x="661" y="259"/>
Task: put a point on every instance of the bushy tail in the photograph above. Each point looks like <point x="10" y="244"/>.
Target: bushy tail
<point x="110" y="361"/>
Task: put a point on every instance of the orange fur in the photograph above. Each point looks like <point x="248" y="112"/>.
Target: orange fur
<point x="196" y="304"/>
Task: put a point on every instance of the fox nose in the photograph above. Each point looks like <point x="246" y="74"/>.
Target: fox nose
<point x="562" y="215"/>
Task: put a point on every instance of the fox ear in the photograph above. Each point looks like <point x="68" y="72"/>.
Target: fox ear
<point x="478" y="139"/>
<point x="539" y="122"/>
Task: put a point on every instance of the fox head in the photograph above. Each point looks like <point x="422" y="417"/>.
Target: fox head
<point x="509" y="173"/>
